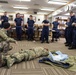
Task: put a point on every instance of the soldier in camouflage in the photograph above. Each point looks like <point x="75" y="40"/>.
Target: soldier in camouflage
<point x="5" y="40"/>
<point x="23" y="55"/>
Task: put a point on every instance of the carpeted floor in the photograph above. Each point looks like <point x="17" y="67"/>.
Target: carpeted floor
<point x="33" y="67"/>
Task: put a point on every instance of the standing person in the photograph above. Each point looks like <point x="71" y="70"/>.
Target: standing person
<point x="45" y="30"/>
<point x="55" y="31"/>
<point x="66" y="30"/>
<point x="73" y="45"/>
<point x="18" y="23"/>
<point x="70" y="30"/>
<point x="4" y="19"/>
<point x="30" y="25"/>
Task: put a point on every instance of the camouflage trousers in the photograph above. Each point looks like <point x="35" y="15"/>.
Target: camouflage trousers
<point x="4" y="46"/>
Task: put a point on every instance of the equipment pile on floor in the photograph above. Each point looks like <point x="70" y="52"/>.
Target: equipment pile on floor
<point x="58" y="59"/>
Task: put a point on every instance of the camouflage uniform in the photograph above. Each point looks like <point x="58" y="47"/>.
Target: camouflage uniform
<point x="23" y="55"/>
<point x="4" y="44"/>
<point x="5" y="41"/>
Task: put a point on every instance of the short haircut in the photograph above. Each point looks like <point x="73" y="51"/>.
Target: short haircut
<point x="71" y="12"/>
<point x="17" y="14"/>
<point x="6" y="25"/>
<point x="57" y="18"/>
<point x="45" y="15"/>
<point x="31" y="16"/>
<point x="5" y="12"/>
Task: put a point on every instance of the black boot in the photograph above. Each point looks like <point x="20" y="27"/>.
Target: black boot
<point x="72" y="47"/>
<point x="42" y="41"/>
<point x="56" y="39"/>
<point x="47" y="42"/>
<point x="52" y="40"/>
<point x="67" y="44"/>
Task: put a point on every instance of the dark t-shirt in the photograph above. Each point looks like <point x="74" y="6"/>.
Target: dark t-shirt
<point x="45" y="22"/>
<point x="72" y="19"/>
<point x="5" y="19"/>
<point x="30" y="23"/>
<point x="67" y="23"/>
<point x="55" y="24"/>
<point x="18" y="21"/>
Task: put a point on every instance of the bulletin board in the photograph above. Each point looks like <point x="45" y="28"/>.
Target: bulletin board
<point x="10" y="17"/>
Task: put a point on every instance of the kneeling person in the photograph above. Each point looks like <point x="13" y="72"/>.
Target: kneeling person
<point x="4" y="39"/>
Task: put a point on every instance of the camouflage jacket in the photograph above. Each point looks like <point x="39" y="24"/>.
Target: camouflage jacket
<point x="4" y="37"/>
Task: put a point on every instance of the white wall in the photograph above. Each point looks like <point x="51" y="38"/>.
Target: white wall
<point x="41" y="17"/>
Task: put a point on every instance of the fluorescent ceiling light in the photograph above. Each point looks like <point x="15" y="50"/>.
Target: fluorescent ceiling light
<point x="67" y="14"/>
<point x="24" y="0"/>
<point x="20" y="7"/>
<point x="59" y="0"/>
<point x="42" y="13"/>
<point x="58" y="3"/>
<point x="48" y="9"/>
<point x="72" y="5"/>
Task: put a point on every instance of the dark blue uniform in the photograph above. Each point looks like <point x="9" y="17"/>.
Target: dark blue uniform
<point x="56" y="33"/>
<point x="74" y="35"/>
<point x="30" y="29"/>
<point x="66" y="32"/>
<point x="18" y="22"/>
<point x="70" y="30"/>
<point x="5" y="19"/>
<point x="45" y="31"/>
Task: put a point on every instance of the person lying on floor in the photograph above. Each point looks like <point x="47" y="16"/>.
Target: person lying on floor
<point x="4" y="39"/>
<point x="23" y="55"/>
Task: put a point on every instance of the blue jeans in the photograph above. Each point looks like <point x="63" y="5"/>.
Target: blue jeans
<point x="69" y="35"/>
<point x="74" y="38"/>
<point x="19" y="32"/>
<point x="45" y="35"/>
<point x="30" y="32"/>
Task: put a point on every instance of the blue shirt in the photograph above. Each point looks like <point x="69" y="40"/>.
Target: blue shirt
<point x="55" y="24"/>
<point x="45" y="22"/>
<point x="5" y="19"/>
<point x="30" y="23"/>
<point x="68" y="23"/>
<point x="72" y="19"/>
<point x="18" y="21"/>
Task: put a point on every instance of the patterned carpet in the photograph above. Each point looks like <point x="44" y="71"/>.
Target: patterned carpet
<point x="33" y="67"/>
